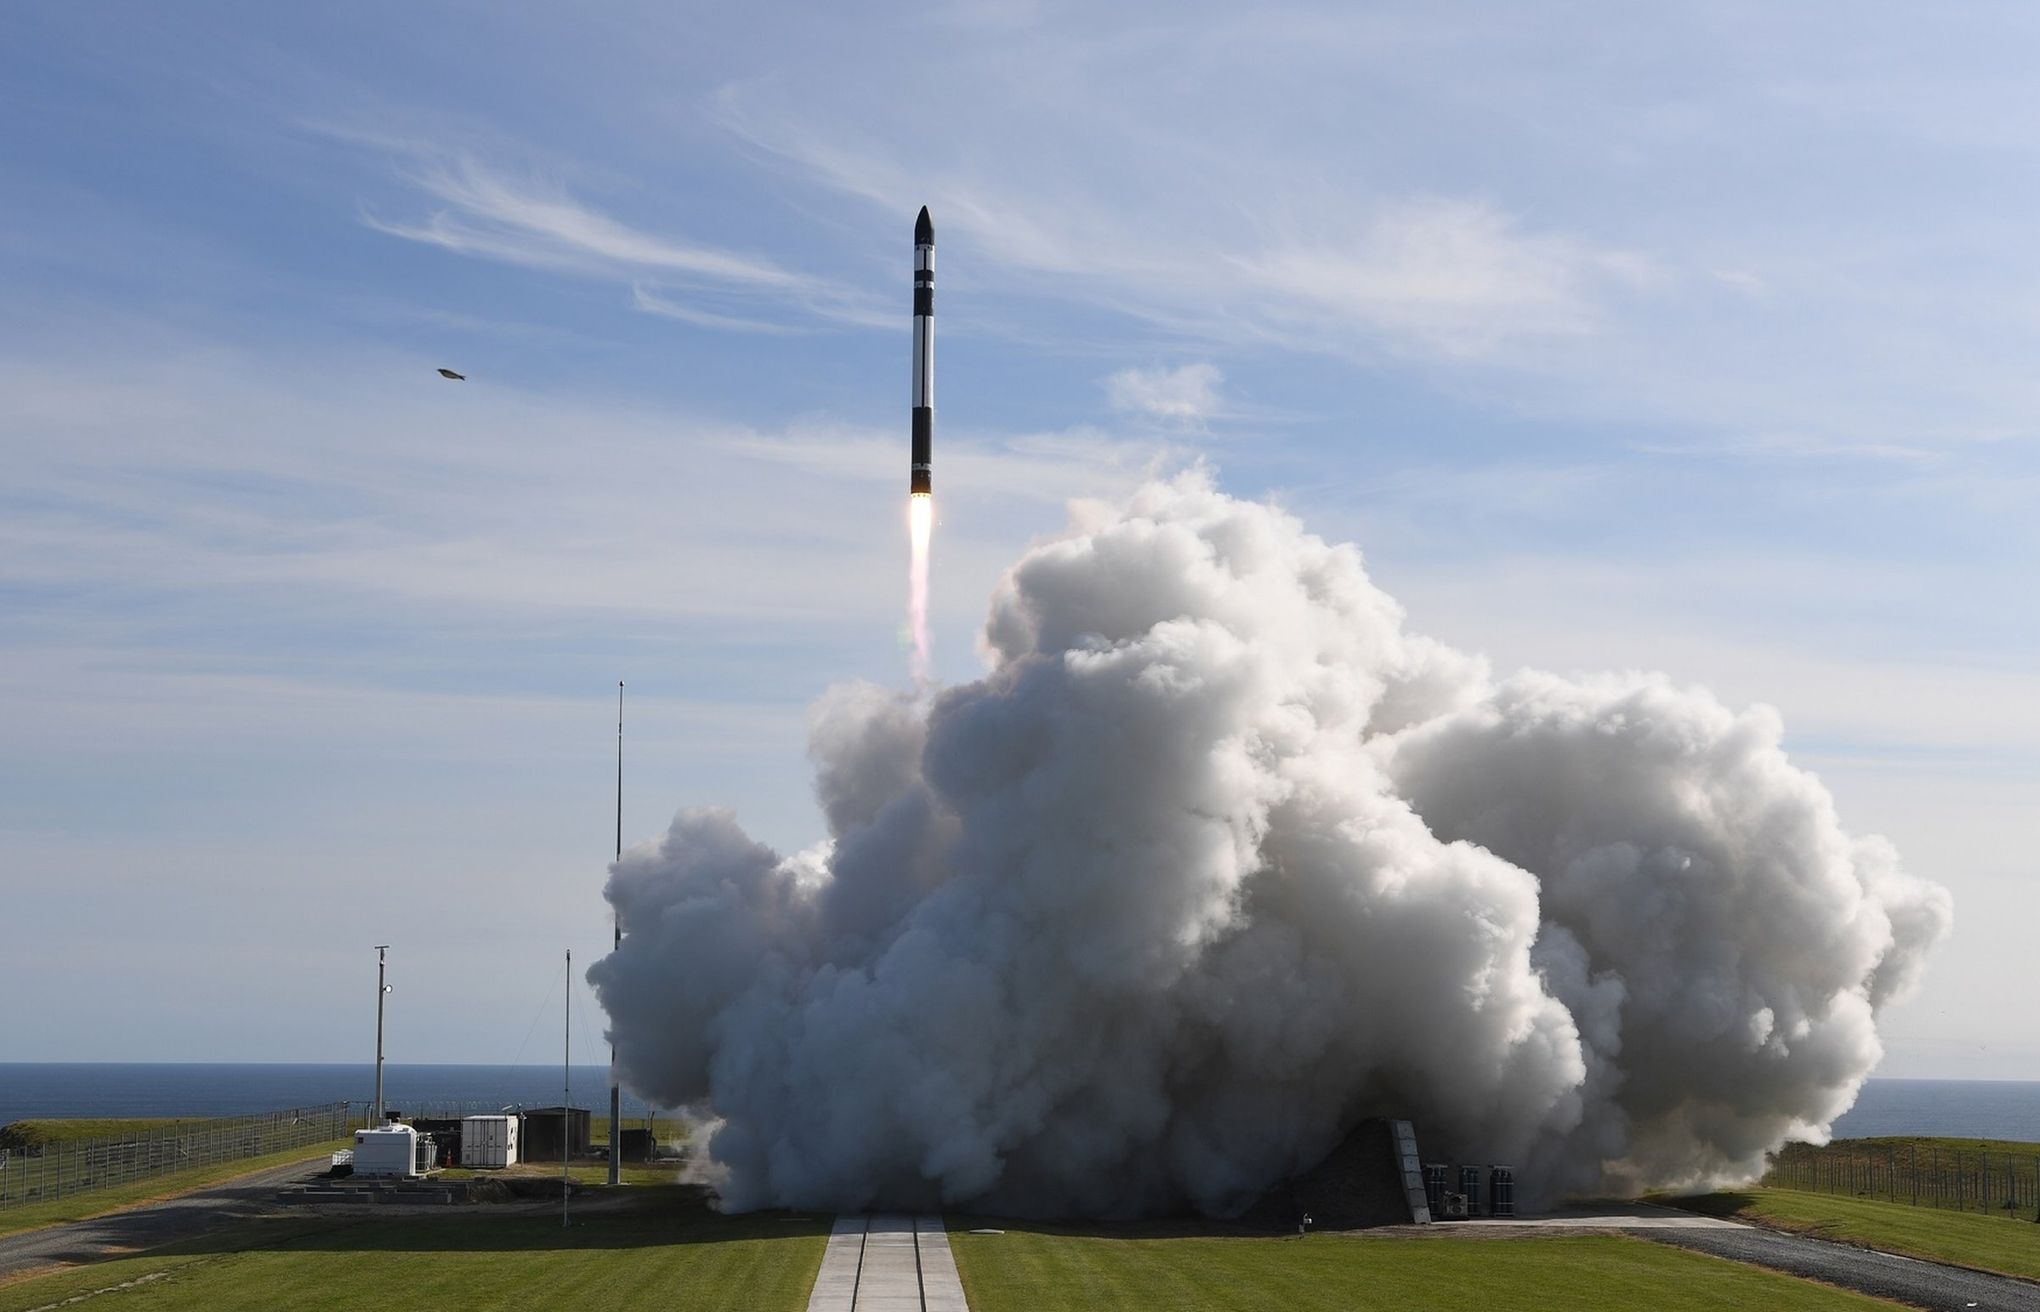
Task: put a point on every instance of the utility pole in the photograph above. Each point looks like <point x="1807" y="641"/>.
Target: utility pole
<point x="382" y="954"/>
<point x="615" y="1089"/>
<point x="567" y="1098"/>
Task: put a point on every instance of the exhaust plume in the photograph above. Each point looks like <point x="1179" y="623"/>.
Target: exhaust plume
<point x="1218" y="859"/>
<point x="920" y="538"/>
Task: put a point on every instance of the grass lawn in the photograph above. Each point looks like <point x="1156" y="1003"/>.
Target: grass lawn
<point x="669" y="1252"/>
<point x="1991" y="1243"/>
<point x="1044" y="1269"/>
<point x="98" y="1202"/>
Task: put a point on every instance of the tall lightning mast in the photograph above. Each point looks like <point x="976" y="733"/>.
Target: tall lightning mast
<point x="615" y="1089"/>
<point x="567" y="1096"/>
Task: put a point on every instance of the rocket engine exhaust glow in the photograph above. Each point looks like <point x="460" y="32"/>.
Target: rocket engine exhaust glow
<point x="920" y="529"/>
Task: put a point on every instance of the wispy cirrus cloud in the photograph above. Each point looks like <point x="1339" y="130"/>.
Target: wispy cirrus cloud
<point x="482" y="211"/>
<point x="348" y="498"/>
<point x="1434" y="201"/>
<point x="1454" y="278"/>
<point x="1408" y="274"/>
<point x="651" y="302"/>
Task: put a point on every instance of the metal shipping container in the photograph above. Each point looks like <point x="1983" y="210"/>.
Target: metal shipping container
<point x="488" y="1141"/>
<point x="552" y="1133"/>
<point x="390" y="1150"/>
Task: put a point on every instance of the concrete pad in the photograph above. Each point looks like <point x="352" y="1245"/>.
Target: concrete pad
<point x="888" y="1264"/>
<point x="891" y="1280"/>
<point x="836" y="1283"/>
<point x="941" y="1287"/>
<point x="1621" y="1216"/>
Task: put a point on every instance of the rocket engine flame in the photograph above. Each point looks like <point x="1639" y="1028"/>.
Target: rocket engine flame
<point x="920" y="532"/>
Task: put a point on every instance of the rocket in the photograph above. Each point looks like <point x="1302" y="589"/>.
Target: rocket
<point x="919" y="480"/>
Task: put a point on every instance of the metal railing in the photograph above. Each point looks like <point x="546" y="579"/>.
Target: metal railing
<point x="57" y="1171"/>
<point x="1974" y="1180"/>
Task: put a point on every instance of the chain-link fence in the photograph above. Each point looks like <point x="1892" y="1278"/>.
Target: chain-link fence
<point x="442" y="1109"/>
<point x="636" y="1113"/>
<point x="635" y="1110"/>
<point x="62" y="1170"/>
<point x="1924" y="1175"/>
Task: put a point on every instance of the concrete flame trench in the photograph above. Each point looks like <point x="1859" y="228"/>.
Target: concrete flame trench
<point x="888" y="1264"/>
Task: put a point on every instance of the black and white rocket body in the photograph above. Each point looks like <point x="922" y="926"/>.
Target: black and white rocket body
<point x="921" y="477"/>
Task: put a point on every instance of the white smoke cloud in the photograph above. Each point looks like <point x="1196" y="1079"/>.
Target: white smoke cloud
<point x="1218" y="859"/>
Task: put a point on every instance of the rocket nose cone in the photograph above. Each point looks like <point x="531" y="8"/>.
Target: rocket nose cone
<point x="924" y="229"/>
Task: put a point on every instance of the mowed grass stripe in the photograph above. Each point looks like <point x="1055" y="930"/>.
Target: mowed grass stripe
<point x="651" y="1257"/>
<point x="1041" y="1270"/>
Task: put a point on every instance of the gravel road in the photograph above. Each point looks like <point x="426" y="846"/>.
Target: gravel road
<point x="1904" y="1279"/>
<point x="151" y="1224"/>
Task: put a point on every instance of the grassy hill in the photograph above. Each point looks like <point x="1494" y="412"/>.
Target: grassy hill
<point x="19" y="1136"/>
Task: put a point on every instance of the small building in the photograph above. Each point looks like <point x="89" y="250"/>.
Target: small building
<point x="551" y="1133"/>
<point x="639" y="1145"/>
<point x="387" y="1150"/>
<point x="488" y="1142"/>
<point x="446" y="1137"/>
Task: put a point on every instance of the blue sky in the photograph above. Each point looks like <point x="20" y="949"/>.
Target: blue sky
<point x="1697" y="338"/>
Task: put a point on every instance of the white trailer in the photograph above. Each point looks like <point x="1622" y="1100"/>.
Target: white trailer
<point x="387" y="1150"/>
<point x="488" y="1141"/>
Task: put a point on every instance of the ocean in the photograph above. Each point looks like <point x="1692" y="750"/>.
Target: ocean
<point x="1969" y="1109"/>
<point x="1958" y="1109"/>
